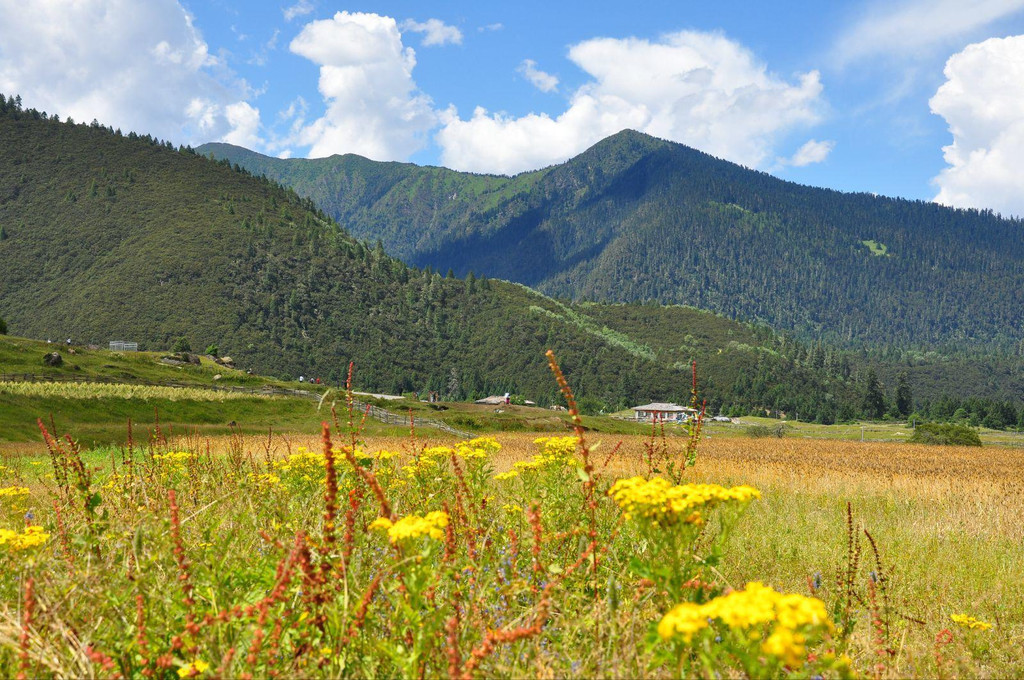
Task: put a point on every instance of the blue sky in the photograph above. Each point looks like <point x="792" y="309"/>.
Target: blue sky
<point x="913" y="98"/>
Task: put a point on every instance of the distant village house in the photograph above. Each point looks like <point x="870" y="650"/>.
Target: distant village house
<point x="663" y="413"/>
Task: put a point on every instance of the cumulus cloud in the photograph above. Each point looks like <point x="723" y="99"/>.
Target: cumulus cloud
<point x="982" y="101"/>
<point x="373" y="105"/>
<point x="545" y="82"/>
<point x="136" y="66"/>
<point x="811" y="152"/>
<point x="697" y="88"/>
<point x="436" y="32"/>
<point x="911" y="27"/>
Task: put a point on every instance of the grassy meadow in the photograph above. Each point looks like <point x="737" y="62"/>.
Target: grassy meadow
<point x="199" y="555"/>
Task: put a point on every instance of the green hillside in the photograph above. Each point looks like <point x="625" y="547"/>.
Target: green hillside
<point x="107" y="236"/>
<point x="636" y="219"/>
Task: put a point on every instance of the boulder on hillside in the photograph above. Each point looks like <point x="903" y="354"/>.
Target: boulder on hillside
<point x="181" y="359"/>
<point x="227" y="362"/>
<point x="53" y="359"/>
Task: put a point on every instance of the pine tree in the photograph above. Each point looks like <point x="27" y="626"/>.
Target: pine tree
<point x="903" y="398"/>
<point x="873" y="402"/>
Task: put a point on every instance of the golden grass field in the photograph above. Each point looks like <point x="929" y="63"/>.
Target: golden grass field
<point x="949" y="523"/>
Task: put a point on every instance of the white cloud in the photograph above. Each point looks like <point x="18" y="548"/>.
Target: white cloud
<point x="982" y="101"/>
<point x="545" y="82"/>
<point x="696" y="88"/>
<point x="135" y="66"/>
<point x="912" y="27"/>
<point x="373" y="106"/>
<point x="437" y="32"/>
<point x="299" y="9"/>
<point x="491" y="27"/>
<point x="245" y="125"/>
<point x="811" y="152"/>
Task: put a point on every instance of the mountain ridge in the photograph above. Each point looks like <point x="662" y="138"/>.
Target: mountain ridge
<point x="635" y="218"/>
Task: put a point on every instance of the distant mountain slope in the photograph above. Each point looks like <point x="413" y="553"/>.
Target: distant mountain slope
<point x="104" y="236"/>
<point x="635" y="218"/>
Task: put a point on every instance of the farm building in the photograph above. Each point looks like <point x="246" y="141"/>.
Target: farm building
<point x="663" y="413"/>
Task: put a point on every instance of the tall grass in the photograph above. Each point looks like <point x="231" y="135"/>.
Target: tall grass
<point x="343" y="556"/>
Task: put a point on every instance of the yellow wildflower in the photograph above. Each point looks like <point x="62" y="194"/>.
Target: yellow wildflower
<point x="478" y="449"/>
<point x="664" y="504"/>
<point x="511" y="474"/>
<point x="13" y="491"/>
<point x="193" y="669"/>
<point x="969" y="622"/>
<point x="413" y="526"/>
<point x="791" y="617"/>
<point x="32" y="536"/>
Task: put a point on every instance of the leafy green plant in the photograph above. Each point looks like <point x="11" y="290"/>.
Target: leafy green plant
<point x="952" y="434"/>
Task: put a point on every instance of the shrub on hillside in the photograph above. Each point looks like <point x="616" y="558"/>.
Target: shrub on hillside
<point x="945" y="433"/>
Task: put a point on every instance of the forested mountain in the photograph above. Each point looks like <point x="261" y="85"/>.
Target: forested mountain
<point x="108" y="236"/>
<point x="639" y="219"/>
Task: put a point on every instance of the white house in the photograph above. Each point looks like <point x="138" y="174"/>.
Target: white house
<point x="664" y="413"/>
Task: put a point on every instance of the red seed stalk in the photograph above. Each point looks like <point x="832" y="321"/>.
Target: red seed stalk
<point x="330" y="494"/>
<point x="24" y="663"/>
<point x="183" y="565"/>
<point x="355" y="499"/>
<point x="364" y="605"/>
<point x="588" y="468"/>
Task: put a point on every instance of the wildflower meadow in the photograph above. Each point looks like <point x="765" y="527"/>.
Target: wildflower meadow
<point x="346" y="557"/>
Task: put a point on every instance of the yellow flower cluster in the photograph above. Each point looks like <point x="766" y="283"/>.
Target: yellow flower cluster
<point x="174" y="457"/>
<point x="413" y="526"/>
<point x="13" y="492"/>
<point x="265" y="479"/>
<point x="969" y="622"/>
<point x="32" y="536"/>
<point x="665" y="504"/>
<point x="791" y="616"/>
<point x="193" y="669"/>
<point x="477" y="449"/>
<point x="554" y="452"/>
<point x="304" y="463"/>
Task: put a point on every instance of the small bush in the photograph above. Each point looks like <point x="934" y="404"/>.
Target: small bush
<point x="181" y="345"/>
<point x="945" y="433"/>
<point x="3" y="326"/>
<point x="758" y="431"/>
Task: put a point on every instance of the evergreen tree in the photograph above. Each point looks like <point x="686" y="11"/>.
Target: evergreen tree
<point x="3" y="326"/>
<point x="903" y="399"/>
<point x="873" y="403"/>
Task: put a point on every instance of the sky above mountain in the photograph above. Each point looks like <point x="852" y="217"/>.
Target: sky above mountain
<point x="915" y="98"/>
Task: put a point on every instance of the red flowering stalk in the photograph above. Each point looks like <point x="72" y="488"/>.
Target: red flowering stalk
<point x="878" y="630"/>
<point x="225" y="663"/>
<point x="364" y="605"/>
<point x="370" y="480"/>
<point x="58" y="459"/>
<point x="159" y="437"/>
<point x="588" y="468"/>
<point x="24" y="663"/>
<point x="450" y="548"/>
<point x="330" y="494"/>
<point x="102" y="660"/>
<point x="942" y="638"/>
<point x="183" y="565"/>
<point x="452" y="645"/>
